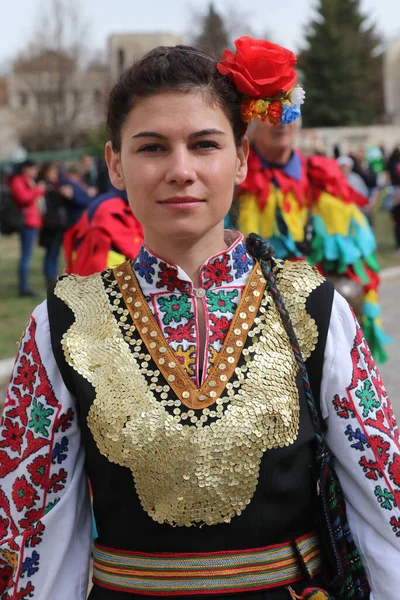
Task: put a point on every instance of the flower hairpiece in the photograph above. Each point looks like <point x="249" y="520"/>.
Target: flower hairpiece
<point x="264" y="73"/>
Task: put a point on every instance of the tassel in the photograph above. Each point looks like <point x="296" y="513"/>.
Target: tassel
<point x="315" y="594"/>
<point x="309" y="594"/>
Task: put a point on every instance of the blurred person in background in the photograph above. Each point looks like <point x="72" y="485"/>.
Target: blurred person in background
<point x="55" y="218"/>
<point x="308" y="210"/>
<point x="27" y="195"/>
<point x="346" y="164"/>
<point x="79" y="194"/>
<point x="106" y="234"/>
<point x="394" y="173"/>
<point x="94" y="173"/>
<point x="363" y="168"/>
<point x="394" y="166"/>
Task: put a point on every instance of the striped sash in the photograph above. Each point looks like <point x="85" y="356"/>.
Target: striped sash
<point x="211" y="573"/>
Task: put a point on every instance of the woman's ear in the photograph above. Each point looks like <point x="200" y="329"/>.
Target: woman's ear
<point x="113" y="160"/>
<point x="242" y="155"/>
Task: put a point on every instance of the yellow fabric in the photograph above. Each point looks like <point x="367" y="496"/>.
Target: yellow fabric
<point x="337" y="215"/>
<point x="372" y="297"/>
<point x="114" y="259"/>
<point x="251" y="219"/>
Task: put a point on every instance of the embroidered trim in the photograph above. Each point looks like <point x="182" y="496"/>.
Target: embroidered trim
<point x="166" y="359"/>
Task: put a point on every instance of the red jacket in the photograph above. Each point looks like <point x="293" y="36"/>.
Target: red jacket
<point x="26" y="195"/>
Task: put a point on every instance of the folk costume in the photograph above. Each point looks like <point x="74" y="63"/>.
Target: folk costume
<point x="261" y="465"/>
<point x="307" y="209"/>
<point x="188" y="466"/>
<point x="105" y="235"/>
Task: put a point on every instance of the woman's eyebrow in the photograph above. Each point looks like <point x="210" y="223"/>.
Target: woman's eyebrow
<point x="196" y="134"/>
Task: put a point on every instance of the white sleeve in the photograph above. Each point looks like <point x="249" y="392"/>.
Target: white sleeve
<point x="364" y="438"/>
<point x="45" y="515"/>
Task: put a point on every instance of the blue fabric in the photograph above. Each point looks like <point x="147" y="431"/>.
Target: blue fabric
<point x="27" y="238"/>
<point x="359" y="243"/>
<point x="51" y="257"/>
<point x="293" y="168"/>
<point x="80" y="200"/>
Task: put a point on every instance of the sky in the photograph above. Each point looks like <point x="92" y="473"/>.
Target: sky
<point x="283" y="21"/>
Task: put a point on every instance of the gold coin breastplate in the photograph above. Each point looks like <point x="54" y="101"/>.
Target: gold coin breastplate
<point x="190" y="465"/>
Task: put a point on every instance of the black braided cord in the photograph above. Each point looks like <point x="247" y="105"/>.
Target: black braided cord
<point x="345" y="576"/>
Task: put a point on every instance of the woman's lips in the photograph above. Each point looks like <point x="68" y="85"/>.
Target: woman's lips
<point x="181" y="202"/>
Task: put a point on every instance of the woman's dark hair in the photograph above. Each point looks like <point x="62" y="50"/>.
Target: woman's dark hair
<point x="170" y="69"/>
<point x="44" y="170"/>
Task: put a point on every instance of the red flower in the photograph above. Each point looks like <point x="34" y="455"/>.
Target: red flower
<point x="275" y="112"/>
<point x="259" y="68"/>
<point x="26" y="375"/>
<point x="217" y="273"/>
<point x="23" y="494"/>
<point x="394" y="470"/>
<point x="13" y="435"/>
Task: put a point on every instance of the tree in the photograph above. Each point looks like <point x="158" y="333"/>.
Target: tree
<point x="341" y="67"/>
<point x="49" y="81"/>
<point x="213" y="37"/>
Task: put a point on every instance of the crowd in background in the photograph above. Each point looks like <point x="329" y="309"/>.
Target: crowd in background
<point x="375" y="174"/>
<point x="50" y="199"/>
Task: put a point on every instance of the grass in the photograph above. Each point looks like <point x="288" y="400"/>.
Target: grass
<point x="15" y="311"/>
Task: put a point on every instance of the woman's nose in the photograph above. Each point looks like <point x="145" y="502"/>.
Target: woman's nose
<point x="181" y="168"/>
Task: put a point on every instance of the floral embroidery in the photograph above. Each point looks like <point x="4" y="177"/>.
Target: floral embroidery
<point x="175" y="308"/>
<point x="13" y="435"/>
<point x="187" y="358"/>
<point x="223" y="301"/>
<point x="144" y="265"/>
<point x="183" y="332"/>
<point x="371" y="428"/>
<point x="168" y="279"/>
<point x="242" y="263"/>
<point x="219" y="328"/>
<point x="40" y="418"/>
<point x="217" y="272"/>
<point x="170" y="296"/>
<point x="27" y="445"/>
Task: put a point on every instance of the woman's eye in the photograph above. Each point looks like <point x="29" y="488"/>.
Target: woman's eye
<point x="151" y="148"/>
<point x="205" y="144"/>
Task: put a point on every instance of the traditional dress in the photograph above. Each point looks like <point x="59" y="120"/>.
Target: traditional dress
<point x="307" y="209"/>
<point x="105" y="235"/>
<point x="200" y="458"/>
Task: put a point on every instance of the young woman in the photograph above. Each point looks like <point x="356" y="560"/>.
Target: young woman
<point x="201" y="387"/>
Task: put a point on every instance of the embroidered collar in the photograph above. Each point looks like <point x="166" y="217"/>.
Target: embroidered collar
<point x="226" y="268"/>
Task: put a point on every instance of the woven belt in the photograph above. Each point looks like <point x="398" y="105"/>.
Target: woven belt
<point x="212" y="573"/>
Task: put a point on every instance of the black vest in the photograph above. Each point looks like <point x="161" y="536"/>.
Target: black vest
<point x="282" y="508"/>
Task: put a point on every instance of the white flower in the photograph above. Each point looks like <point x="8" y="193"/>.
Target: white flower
<point x="297" y="95"/>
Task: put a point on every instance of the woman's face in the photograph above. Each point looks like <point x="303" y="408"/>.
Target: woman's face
<point x="179" y="165"/>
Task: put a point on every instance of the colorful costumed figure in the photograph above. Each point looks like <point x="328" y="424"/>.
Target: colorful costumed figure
<point x="223" y="403"/>
<point x="106" y="234"/>
<point x="307" y="209"/>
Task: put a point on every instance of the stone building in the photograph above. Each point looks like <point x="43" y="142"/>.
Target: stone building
<point x="52" y="95"/>
<point x="124" y="48"/>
